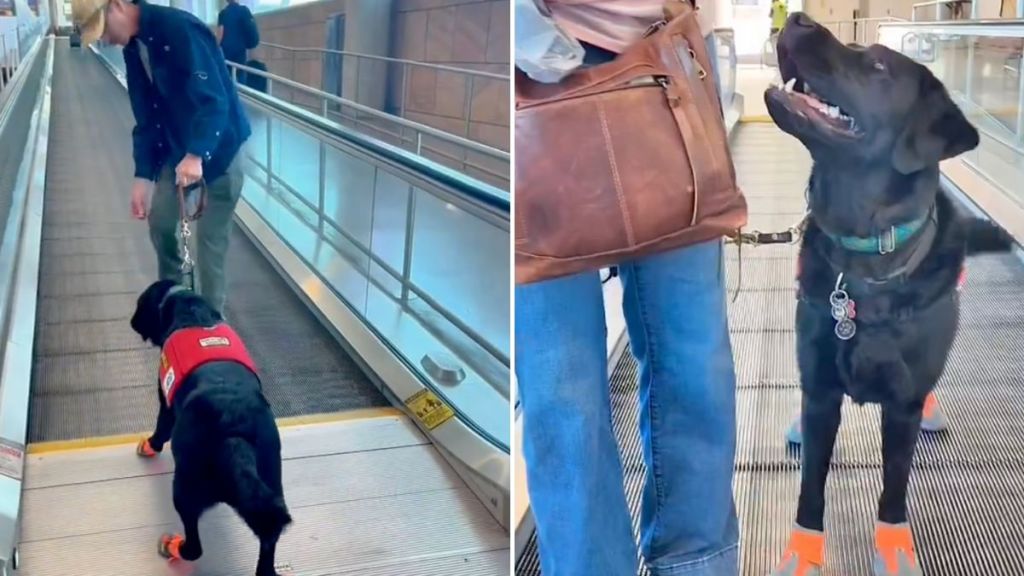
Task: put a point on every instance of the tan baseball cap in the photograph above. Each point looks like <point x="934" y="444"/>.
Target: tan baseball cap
<point x="90" y="17"/>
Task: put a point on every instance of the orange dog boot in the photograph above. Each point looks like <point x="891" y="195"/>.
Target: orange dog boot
<point x="894" y="551"/>
<point x="933" y="419"/>
<point x="144" y="449"/>
<point x="170" y="546"/>
<point x="805" y="554"/>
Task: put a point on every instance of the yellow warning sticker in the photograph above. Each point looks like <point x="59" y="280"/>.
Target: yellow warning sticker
<point x="429" y="409"/>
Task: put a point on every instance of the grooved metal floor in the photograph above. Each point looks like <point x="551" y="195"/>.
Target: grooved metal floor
<point x="370" y="497"/>
<point x="92" y="374"/>
<point x="965" y="498"/>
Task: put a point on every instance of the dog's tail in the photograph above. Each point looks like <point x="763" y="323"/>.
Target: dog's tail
<point x="985" y="236"/>
<point x="262" y="509"/>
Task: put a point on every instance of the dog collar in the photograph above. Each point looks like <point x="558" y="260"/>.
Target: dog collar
<point x="884" y="243"/>
<point x="174" y="290"/>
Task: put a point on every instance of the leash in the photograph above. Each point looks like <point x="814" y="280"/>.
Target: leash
<point x="187" y="264"/>
<point x="791" y="235"/>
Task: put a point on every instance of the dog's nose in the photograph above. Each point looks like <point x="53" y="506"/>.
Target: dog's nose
<point x="802" y="20"/>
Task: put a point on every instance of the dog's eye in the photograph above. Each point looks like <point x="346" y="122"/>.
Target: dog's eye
<point x="879" y="66"/>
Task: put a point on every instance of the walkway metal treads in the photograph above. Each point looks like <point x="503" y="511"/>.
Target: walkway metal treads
<point x="92" y="374"/>
<point x="965" y="500"/>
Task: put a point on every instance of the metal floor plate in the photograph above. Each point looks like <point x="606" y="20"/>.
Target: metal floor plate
<point x="92" y="375"/>
<point x="964" y="498"/>
<point x="368" y="497"/>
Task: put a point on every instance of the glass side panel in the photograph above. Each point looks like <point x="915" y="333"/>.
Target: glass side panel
<point x="429" y="273"/>
<point x="983" y="75"/>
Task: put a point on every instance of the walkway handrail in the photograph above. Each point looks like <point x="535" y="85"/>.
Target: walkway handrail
<point x="421" y="128"/>
<point x="858" y="20"/>
<point x="992" y="28"/>
<point x="465" y="186"/>
<point x="938" y="3"/>
<point x="19" y="286"/>
<point x="415" y="63"/>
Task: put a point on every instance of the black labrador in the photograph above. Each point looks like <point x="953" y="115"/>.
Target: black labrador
<point x="222" y="431"/>
<point x="879" y="263"/>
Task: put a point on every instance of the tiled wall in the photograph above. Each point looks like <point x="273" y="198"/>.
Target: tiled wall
<point x="471" y="34"/>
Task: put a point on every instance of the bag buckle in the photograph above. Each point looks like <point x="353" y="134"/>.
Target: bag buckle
<point x="654" y="28"/>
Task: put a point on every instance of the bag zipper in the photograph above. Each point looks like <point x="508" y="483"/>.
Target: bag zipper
<point x="651" y="81"/>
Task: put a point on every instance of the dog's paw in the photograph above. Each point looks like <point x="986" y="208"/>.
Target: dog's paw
<point x="170" y="546"/>
<point x="145" y="449"/>
<point x="894" y="551"/>
<point x="804" y="555"/>
<point x="933" y="419"/>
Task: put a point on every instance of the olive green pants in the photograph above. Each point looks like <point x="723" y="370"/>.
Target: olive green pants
<point x="210" y="233"/>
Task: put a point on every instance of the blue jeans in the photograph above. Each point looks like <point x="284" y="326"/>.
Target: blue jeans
<point x="675" y="311"/>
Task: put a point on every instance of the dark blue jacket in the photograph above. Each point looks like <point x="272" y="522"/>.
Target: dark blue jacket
<point x="191" y="106"/>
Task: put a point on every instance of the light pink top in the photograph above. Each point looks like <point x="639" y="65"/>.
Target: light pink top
<point x="615" y="24"/>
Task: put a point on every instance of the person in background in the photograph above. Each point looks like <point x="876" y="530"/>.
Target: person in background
<point x="779" y="13"/>
<point x="237" y="33"/>
<point x="190" y="126"/>
<point x="675" y="308"/>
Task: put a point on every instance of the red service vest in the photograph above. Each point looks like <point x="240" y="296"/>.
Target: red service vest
<point x="189" y="348"/>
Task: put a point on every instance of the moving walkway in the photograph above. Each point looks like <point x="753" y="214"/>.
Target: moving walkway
<point x="966" y="494"/>
<point x="363" y="278"/>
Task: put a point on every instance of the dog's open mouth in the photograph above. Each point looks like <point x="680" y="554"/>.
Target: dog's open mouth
<point x="800" y="98"/>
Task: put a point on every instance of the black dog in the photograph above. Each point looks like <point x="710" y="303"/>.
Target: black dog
<point x="223" y="435"/>
<point x="880" y="259"/>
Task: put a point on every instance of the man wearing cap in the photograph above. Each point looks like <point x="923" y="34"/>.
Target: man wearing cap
<point x="190" y="126"/>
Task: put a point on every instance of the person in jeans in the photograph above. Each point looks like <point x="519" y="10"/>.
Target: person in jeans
<point x="675" y="308"/>
<point x="190" y="126"/>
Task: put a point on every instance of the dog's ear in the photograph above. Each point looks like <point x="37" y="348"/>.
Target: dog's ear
<point x="937" y="130"/>
<point x="146" y="321"/>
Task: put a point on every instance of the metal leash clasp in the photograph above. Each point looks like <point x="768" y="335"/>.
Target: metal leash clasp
<point x="185" y="232"/>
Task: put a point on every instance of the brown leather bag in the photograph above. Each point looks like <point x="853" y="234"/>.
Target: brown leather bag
<point x="624" y="159"/>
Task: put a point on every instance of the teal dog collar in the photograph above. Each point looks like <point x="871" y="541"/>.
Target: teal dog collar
<point x="884" y="243"/>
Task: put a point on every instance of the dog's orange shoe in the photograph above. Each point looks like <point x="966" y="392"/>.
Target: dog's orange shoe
<point x="932" y="417"/>
<point x="170" y="546"/>
<point x="144" y="449"/>
<point x="805" y="554"/>
<point x="894" y="551"/>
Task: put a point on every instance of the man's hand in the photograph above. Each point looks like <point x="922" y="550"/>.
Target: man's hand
<point x="189" y="170"/>
<point x="141" y="192"/>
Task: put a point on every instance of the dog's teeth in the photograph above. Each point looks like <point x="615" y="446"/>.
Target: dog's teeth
<point x="807" y="88"/>
<point x="790" y="84"/>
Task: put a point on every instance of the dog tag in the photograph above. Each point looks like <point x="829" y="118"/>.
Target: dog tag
<point x="839" y="297"/>
<point x="851" y="309"/>
<point x="839" y="313"/>
<point x="845" y="329"/>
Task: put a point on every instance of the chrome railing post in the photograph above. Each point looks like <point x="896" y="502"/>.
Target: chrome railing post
<point x="969" y="88"/>
<point x="323" y="190"/>
<point x="410" y="220"/>
<point x="1020" y="99"/>
<point x="270" y="155"/>
<point x="356" y="83"/>
<point x="469" y="117"/>
<point x="469" y="104"/>
<point x="405" y="90"/>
